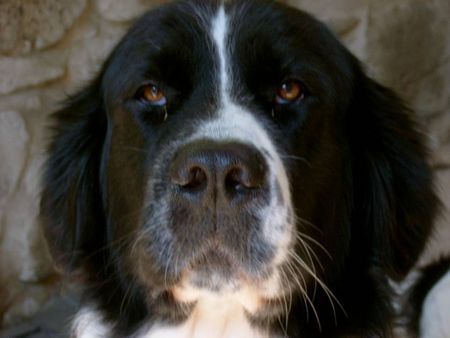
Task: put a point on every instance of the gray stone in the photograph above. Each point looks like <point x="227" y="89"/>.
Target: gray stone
<point x="430" y="94"/>
<point x="406" y="42"/>
<point x="438" y="128"/>
<point x="441" y="158"/>
<point x="52" y="321"/>
<point x="18" y="73"/>
<point x="27" y="25"/>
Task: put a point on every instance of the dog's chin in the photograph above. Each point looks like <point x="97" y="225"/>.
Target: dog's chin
<point x="215" y="272"/>
<point x="218" y="278"/>
<point x="195" y="289"/>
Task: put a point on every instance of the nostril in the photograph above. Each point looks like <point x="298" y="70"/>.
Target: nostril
<point x="241" y="178"/>
<point x="235" y="180"/>
<point x="197" y="178"/>
<point x="193" y="178"/>
<point x="218" y="172"/>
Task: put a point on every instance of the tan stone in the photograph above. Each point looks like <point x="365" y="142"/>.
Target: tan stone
<point x="25" y="252"/>
<point x="27" y="25"/>
<point x="13" y="151"/>
<point x="20" y="73"/>
<point x="119" y="10"/>
<point x="328" y="8"/>
<point x="88" y="55"/>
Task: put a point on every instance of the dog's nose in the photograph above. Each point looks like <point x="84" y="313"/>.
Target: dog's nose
<point x="218" y="170"/>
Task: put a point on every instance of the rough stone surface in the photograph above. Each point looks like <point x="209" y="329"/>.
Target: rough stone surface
<point x="13" y="151"/>
<point x="88" y="54"/>
<point x="411" y="37"/>
<point x="49" y="48"/>
<point x="18" y="73"/>
<point x="26" y="25"/>
<point x="119" y="10"/>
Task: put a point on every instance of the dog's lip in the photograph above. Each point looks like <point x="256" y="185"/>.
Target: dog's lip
<point x="248" y="296"/>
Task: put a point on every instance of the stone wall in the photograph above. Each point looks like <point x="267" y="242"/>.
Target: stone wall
<point x="49" y="48"/>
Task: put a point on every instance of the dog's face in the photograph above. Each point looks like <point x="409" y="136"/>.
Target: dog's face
<point x="236" y="150"/>
<point x="212" y="126"/>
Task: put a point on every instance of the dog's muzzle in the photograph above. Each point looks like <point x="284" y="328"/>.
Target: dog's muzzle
<point x="216" y="190"/>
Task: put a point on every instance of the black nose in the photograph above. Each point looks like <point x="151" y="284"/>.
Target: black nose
<point x="218" y="171"/>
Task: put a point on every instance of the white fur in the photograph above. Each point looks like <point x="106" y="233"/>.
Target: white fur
<point x="88" y="323"/>
<point x="235" y="122"/>
<point x="435" y="322"/>
<point x="213" y="317"/>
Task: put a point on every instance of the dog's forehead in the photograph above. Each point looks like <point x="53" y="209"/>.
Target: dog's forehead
<point x="182" y="33"/>
<point x="176" y="44"/>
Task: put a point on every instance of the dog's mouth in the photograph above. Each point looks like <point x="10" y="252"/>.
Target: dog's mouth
<point x="214" y="270"/>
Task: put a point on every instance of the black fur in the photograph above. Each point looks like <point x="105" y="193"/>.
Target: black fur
<point x="368" y="188"/>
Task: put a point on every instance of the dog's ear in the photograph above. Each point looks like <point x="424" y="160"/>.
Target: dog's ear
<point x="71" y="205"/>
<point x="394" y="200"/>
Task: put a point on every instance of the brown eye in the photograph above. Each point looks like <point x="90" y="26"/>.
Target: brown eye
<point x="290" y="91"/>
<point x="152" y="94"/>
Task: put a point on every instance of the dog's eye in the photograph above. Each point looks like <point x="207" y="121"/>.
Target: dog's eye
<point x="290" y="91"/>
<point x="152" y="94"/>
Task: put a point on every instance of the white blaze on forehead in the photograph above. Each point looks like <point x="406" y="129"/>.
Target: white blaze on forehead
<point x="235" y="122"/>
<point x="220" y="34"/>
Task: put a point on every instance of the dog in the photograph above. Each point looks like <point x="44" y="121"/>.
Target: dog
<point x="233" y="172"/>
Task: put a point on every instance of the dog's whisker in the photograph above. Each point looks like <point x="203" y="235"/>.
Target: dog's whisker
<point x="308" y="299"/>
<point x="312" y="240"/>
<point x="287" y="285"/>
<point x="297" y="158"/>
<point x="302" y="287"/>
<point x="285" y="303"/>
<point x="168" y="263"/>
<point x="305" y="246"/>
<point x="303" y="221"/>
<point x="330" y="295"/>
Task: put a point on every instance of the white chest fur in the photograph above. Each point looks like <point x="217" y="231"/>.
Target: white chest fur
<point x="435" y="322"/>
<point x="211" y="318"/>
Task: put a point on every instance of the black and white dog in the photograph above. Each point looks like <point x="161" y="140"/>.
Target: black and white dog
<point x="232" y="172"/>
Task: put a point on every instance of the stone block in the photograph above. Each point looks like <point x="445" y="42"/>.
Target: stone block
<point x="407" y="44"/>
<point x="18" y="73"/>
<point x="88" y="55"/>
<point x="27" y="25"/>
<point x="119" y="10"/>
<point x="13" y="149"/>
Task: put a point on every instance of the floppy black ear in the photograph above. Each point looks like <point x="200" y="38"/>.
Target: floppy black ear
<point x="394" y="201"/>
<point x="71" y="206"/>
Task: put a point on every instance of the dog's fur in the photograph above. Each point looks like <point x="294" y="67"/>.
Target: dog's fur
<point x="345" y="206"/>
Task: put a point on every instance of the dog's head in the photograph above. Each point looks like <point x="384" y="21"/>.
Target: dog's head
<point x="235" y="149"/>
